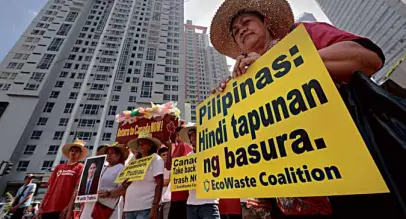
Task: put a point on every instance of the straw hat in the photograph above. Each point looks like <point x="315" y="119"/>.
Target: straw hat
<point x="279" y="13"/>
<point x="184" y="133"/>
<point x="123" y="150"/>
<point x="77" y="143"/>
<point x="133" y="144"/>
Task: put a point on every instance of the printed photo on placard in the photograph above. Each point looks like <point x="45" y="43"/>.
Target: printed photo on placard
<point x="89" y="181"/>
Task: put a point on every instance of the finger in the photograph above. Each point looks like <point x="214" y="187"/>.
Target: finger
<point x="237" y="63"/>
<point x="228" y="79"/>
<point x="213" y="91"/>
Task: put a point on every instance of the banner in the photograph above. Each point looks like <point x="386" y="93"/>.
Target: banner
<point x="183" y="173"/>
<point x="161" y="129"/>
<point x="89" y="180"/>
<point x="282" y="130"/>
<point x="135" y="170"/>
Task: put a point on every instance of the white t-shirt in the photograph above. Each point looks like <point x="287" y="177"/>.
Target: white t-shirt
<point x="166" y="190"/>
<point x="192" y="200"/>
<point x="109" y="175"/>
<point x="140" y="194"/>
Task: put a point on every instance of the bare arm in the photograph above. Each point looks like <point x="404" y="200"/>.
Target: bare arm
<point x="26" y="198"/>
<point x="344" y="58"/>
<point x="166" y="182"/>
<point x="158" y="190"/>
<point x="168" y="163"/>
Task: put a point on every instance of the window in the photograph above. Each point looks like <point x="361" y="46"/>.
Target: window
<point x="68" y="108"/>
<point x="174" y="97"/>
<point x="146" y="89"/>
<point x="106" y="137"/>
<point x="47" y="165"/>
<point x="167" y="87"/>
<point x="112" y="110"/>
<point x="167" y="97"/>
<point x="36" y="135"/>
<point x="58" y="135"/>
<point x="87" y="122"/>
<point x="64" y="29"/>
<point x="23" y="165"/>
<point x="115" y="98"/>
<point x="55" y="44"/>
<point x="134" y="89"/>
<point x="94" y="97"/>
<point x="15" y="65"/>
<point x="149" y="70"/>
<point x="54" y="94"/>
<point x="86" y="136"/>
<point x="73" y="95"/>
<point x="81" y="76"/>
<point x="97" y="87"/>
<point x="29" y="149"/>
<point x="77" y="84"/>
<point x="37" y="76"/>
<point x="71" y="16"/>
<point x="90" y="109"/>
<point x="109" y="124"/>
<point x="63" y="121"/>
<point x="175" y="87"/>
<point x="63" y="74"/>
<point x="48" y="107"/>
<point x="132" y="99"/>
<point x="42" y="121"/>
<point x="45" y="61"/>
<point x="117" y="87"/>
<point x="53" y="149"/>
<point x="59" y="84"/>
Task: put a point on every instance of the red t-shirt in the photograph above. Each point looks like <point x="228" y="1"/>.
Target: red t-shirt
<point x="181" y="149"/>
<point x="230" y="206"/>
<point x="61" y="186"/>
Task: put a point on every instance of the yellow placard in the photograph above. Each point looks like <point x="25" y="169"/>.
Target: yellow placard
<point x="135" y="170"/>
<point x="183" y="173"/>
<point x="282" y="130"/>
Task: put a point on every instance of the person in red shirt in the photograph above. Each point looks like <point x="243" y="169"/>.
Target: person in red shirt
<point x="178" y="208"/>
<point x="58" y="199"/>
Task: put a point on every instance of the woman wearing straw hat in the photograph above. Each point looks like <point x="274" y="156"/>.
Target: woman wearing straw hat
<point x="198" y="208"/>
<point x="59" y="197"/>
<point x="255" y="26"/>
<point x="142" y="197"/>
<point x="116" y="156"/>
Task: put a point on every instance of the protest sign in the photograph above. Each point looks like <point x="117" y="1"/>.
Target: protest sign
<point x="89" y="180"/>
<point x="282" y="130"/>
<point x="161" y="129"/>
<point x="183" y="173"/>
<point x="135" y="170"/>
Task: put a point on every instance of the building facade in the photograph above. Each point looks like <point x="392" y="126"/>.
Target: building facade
<point x="305" y="16"/>
<point x="78" y="64"/>
<point x="205" y="67"/>
<point x="383" y="21"/>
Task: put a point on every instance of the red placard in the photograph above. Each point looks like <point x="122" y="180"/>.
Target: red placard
<point x="161" y="128"/>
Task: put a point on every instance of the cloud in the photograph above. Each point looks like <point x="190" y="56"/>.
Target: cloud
<point x="33" y="13"/>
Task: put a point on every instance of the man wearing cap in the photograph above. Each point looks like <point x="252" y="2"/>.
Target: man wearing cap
<point x="198" y="208"/>
<point x="59" y="197"/>
<point x="23" y="198"/>
<point x="178" y="199"/>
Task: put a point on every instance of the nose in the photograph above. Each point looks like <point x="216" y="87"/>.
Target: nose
<point x="242" y="31"/>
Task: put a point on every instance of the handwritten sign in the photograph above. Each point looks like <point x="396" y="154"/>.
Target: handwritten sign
<point x="282" y="130"/>
<point x="183" y="174"/>
<point x="135" y="170"/>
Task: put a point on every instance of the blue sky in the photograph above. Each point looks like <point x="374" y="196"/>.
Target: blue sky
<point x="16" y="15"/>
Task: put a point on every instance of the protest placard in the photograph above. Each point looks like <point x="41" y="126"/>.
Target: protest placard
<point x="161" y="128"/>
<point x="135" y="170"/>
<point x="282" y="130"/>
<point x="183" y="173"/>
<point x="89" y="180"/>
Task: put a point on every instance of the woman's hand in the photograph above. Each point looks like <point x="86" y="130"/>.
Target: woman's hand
<point x="154" y="212"/>
<point x="243" y="62"/>
<point x="125" y="184"/>
<point x="240" y="67"/>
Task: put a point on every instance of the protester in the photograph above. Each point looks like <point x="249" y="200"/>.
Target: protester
<point x="230" y="208"/>
<point x="142" y="197"/>
<point x="59" y="197"/>
<point x="23" y="198"/>
<point x="32" y="212"/>
<point x="178" y="208"/>
<point x="116" y="156"/>
<point x="256" y="26"/>
<point x="166" y="194"/>
<point x="198" y="208"/>
<point x="100" y="150"/>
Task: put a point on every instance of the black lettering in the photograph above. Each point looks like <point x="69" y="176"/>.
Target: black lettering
<point x="272" y="154"/>
<point x="241" y="155"/>
<point x="302" y="143"/>
<point x="236" y="93"/>
<point x="265" y="78"/>
<point x="247" y="83"/>
<point x="309" y="179"/>
<point x="281" y="179"/>
<point x="254" y="123"/>
<point x="215" y="163"/>
<point x="281" y="144"/>
<point x="299" y="172"/>
<point x="254" y="153"/>
<point x="317" y="174"/>
<point x="207" y="165"/>
<point x="227" y="102"/>
<point x="234" y="125"/>
<point x="280" y="103"/>
<point x="334" y="170"/>
<point x="230" y="163"/>
<point x="202" y="113"/>
<point x="243" y="130"/>
<point x="282" y="65"/>
<point x="261" y="180"/>
<point x="297" y="105"/>
<point x="315" y="86"/>
<point x="268" y="118"/>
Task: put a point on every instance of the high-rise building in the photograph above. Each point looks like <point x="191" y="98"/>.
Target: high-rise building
<point x="78" y="64"/>
<point x="205" y="67"/>
<point x="383" y="21"/>
<point x="306" y="17"/>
